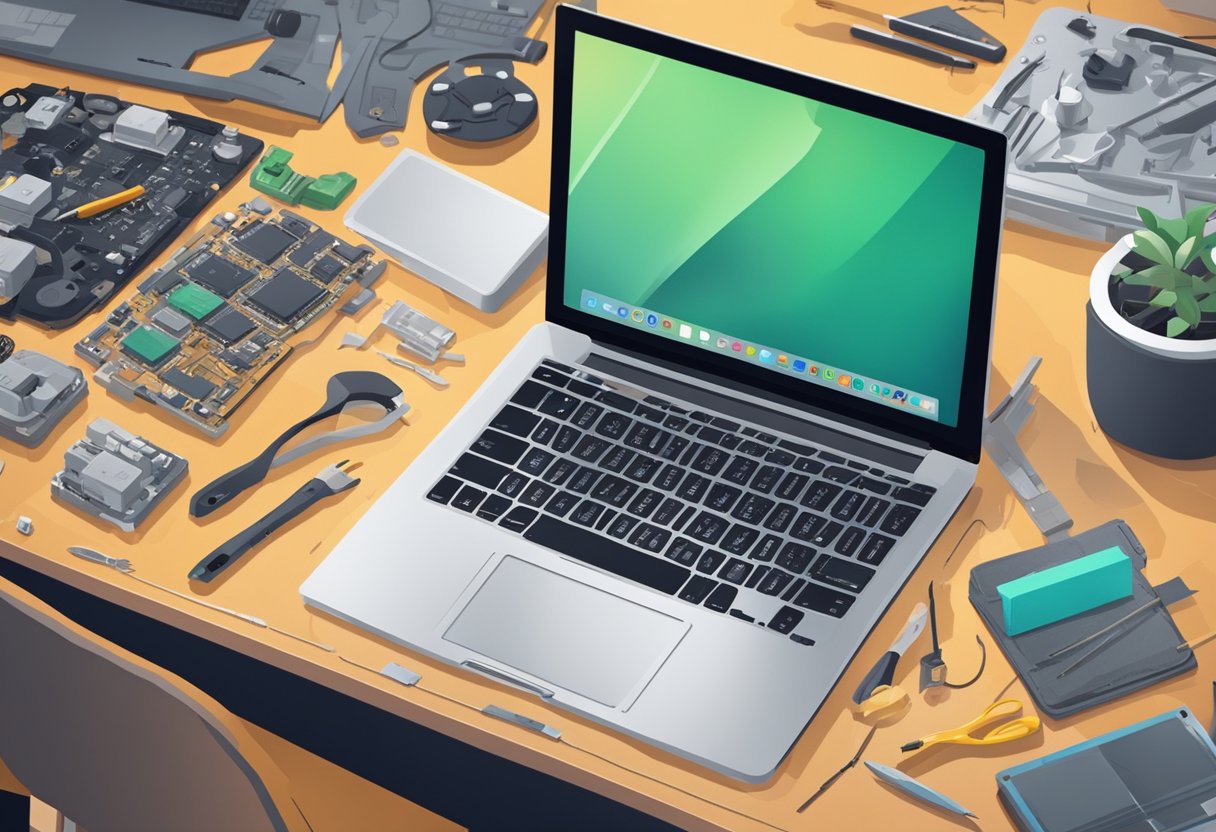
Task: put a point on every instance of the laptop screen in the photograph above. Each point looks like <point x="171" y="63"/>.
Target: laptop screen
<point x="775" y="230"/>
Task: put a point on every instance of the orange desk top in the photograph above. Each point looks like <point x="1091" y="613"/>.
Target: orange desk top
<point x="1040" y="310"/>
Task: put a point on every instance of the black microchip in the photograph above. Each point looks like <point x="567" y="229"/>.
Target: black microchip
<point x="264" y="242"/>
<point x="177" y="400"/>
<point x="295" y="227"/>
<point x="309" y="248"/>
<point x="194" y="387"/>
<point x="218" y="274"/>
<point x="327" y="269"/>
<point x="348" y="252"/>
<point x="229" y="326"/>
<point x="285" y="296"/>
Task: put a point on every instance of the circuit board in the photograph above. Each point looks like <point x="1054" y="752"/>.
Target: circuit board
<point x="208" y="326"/>
<point x="63" y="149"/>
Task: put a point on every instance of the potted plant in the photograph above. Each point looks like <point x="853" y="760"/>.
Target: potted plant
<point x="1151" y="337"/>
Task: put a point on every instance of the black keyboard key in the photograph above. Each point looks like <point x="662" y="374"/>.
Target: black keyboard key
<point x="586" y="415"/>
<point x="710" y="561"/>
<point x="778" y="457"/>
<point x="582" y="480"/>
<point x="545" y="373"/>
<point x="861" y="466"/>
<point x="766" y="478"/>
<point x="725" y="424"/>
<point x="722" y="496"/>
<point x="845" y="574"/>
<point x="515" y="421"/>
<point x="827" y="534"/>
<point x="898" y="519"/>
<point x="898" y="480"/>
<point x="740" y="470"/>
<point x="614" y="490"/>
<point x="493" y="507"/>
<point x="560" y="471"/>
<point x="847" y="506"/>
<point x="767" y="548"/>
<point x="616" y="400"/>
<point x="675" y="447"/>
<point x="590" y="448"/>
<point x="742" y="616"/>
<point x="468" y="498"/>
<point x="873" y="485"/>
<point x="613" y="425"/>
<point x="652" y="414"/>
<point x="501" y="447"/>
<point x="676" y="423"/>
<point x="642" y="468"/>
<point x="795" y="557"/>
<point x="820" y="494"/>
<point x="735" y="571"/>
<point x="669" y="477"/>
<point x="808" y="466"/>
<point x="621" y="526"/>
<point x="481" y="471"/>
<point x="807" y="525"/>
<point x="607" y="517"/>
<point x="651" y="538"/>
<point x="683" y="550"/>
<point x="722" y="597"/>
<point x="644" y="504"/>
<point x="535" y="461"/>
<point x="837" y="473"/>
<point x="786" y="619"/>
<point x="752" y="448"/>
<point x="872" y="511"/>
<point x="876" y="548"/>
<point x="667" y="511"/>
<point x="831" y="457"/>
<point x="546" y="430"/>
<point x="792" y="486"/>
<point x="693" y="449"/>
<point x="566" y="439"/>
<point x="700" y="416"/>
<point x="685" y="518"/>
<point x="645" y="437"/>
<point x="693" y="488"/>
<point x="697" y="588"/>
<point x="608" y="554"/>
<point x="617" y="458"/>
<point x="730" y="440"/>
<point x="513" y="484"/>
<point x="757" y="575"/>
<point x="781" y="517"/>
<point x="793" y="589"/>
<point x="530" y="394"/>
<point x="917" y="496"/>
<point x="518" y="518"/>
<point x="739" y="539"/>
<point x="587" y="513"/>
<point x="753" y="508"/>
<point x="796" y="447"/>
<point x="582" y="388"/>
<point x="774" y="582"/>
<point x="444" y="490"/>
<point x="824" y="599"/>
<point x="848" y="542"/>
<point x="708" y="528"/>
<point x="710" y="435"/>
<point x="536" y="494"/>
<point x="561" y="503"/>
<point x="710" y="460"/>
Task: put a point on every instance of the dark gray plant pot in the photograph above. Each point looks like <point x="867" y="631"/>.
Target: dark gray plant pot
<point x="1150" y="393"/>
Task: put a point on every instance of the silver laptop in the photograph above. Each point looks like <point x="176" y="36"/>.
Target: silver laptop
<point x="682" y="502"/>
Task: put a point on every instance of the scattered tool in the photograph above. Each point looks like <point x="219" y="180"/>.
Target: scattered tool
<point x="329" y="482"/>
<point x="883" y="672"/>
<point x="1004" y="709"/>
<point x="1186" y="645"/>
<point x="933" y="667"/>
<point x="1094" y="636"/>
<point x="827" y="784"/>
<point x="429" y="375"/>
<point x="941" y="25"/>
<point x="916" y="789"/>
<point x="909" y="47"/>
<point x="97" y="206"/>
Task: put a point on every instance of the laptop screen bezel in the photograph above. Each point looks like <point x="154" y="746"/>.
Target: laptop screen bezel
<point x="962" y="440"/>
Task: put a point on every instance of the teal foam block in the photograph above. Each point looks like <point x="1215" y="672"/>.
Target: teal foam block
<point x="1069" y="589"/>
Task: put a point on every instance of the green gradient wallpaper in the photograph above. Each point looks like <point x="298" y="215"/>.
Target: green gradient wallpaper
<point x="774" y="218"/>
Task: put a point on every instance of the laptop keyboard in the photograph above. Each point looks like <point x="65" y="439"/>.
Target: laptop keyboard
<point x="688" y="503"/>
<point x="483" y="27"/>
<point x="230" y="9"/>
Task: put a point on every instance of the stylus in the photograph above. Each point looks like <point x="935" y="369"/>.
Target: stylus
<point x="907" y="47"/>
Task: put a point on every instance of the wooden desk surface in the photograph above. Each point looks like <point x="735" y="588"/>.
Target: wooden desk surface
<point x="1043" y="289"/>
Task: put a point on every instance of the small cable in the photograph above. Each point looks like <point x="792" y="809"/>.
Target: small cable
<point x="978" y="521"/>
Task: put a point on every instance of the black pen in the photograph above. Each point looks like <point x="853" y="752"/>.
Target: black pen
<point x="908" y="47"/>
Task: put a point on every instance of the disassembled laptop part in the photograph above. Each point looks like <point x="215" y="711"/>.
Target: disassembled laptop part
<point x="274" y="176"/>
<point x="418" y="334"/>
<point x="36" y="392"/>
<point x="116" y="476"/>
<point x="933" y="666"/>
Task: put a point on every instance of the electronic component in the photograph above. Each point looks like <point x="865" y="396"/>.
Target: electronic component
<point x="209" y="325"/>
<point x="25" y="525"/>
<point x="18" y="259"/>
<point x="273" y="176"/>
<point x="135" y="176"/>
<point x="116" y="476"/>
<point x="486" y="106"/>
<point x="36" y="392"/>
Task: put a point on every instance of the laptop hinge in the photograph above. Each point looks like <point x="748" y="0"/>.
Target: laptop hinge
<point x="756" y="414"/>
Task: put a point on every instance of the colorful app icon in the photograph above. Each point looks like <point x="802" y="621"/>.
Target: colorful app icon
<point x="652" y="320"/>
<point x="622" y="311"/>
<point x="914" y="401"/>
<point x="844" y="381"/>
<point x="799" y="365"/>
<point x="723" y="343"/>
<point x="704" y="336"/>
<point x="737" y="347"/>
<point x="874" y="389"/>
<point x="926" y="404"/>
<point x="828" y="375"/>
<point x="886" y="392"/>
<point x="637" y="316"/>
<point x="814" y="370"/>
<point x="667" y="323"/>
<point x="783" y="360"/>
<point x="751" y="350"/>
<point x="608" y="307"/>
<point x="766" y="356"/>
<point x="592" y="303"/>
<point x="898" y="395"/>
<point x="685" y="331"/>
<point x="859" y="383"/>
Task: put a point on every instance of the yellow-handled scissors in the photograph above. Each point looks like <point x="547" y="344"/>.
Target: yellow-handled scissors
<point x="1005" y="709"/>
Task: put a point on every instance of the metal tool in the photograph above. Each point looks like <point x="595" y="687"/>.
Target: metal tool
<point x="328" y="483"/>
<point x="883" y="671"/>
<point x="1094" y="636"/>
<point x="1004" y="709"/>
<point x="827" y="784"/>
<point x="429" y="375"/>
<point x="916" y="789"/>
<point x="941" y="25"/>
<point x="97" y="206"/>
<point x="909" y="47"/>
<point x="933" y="667"/>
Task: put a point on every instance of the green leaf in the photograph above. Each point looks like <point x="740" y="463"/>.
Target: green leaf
<point x="1208" y="260"/>
<point x="1197" y="218"/>
<point x="1186" y="252"/>
<point x="1174" y="231"/>
<point x="1175" y="327"/>
<point x="1161" y="277"/>
<point x="1149" y="219"/>
<point x="1208" y="304"/>
<point x="1151" y="245"/>
<point x="1163" y="298"/>
<point x="1187" y="308"/>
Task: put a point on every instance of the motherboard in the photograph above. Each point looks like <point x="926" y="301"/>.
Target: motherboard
<point x="207" y="327"/>
<point x="63" y="150"/>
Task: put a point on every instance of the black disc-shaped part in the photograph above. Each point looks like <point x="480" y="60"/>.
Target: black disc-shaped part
<point x="462" y="106"/>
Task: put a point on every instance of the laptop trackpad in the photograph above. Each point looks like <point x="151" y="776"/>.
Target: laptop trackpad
<point x="565" y="632"/>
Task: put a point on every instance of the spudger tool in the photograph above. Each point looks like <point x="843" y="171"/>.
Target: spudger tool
<point x="933" y="666"/>
<point x="941" y="26"/>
